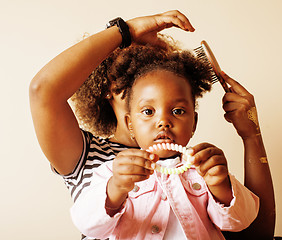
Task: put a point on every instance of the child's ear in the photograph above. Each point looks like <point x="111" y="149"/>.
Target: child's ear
<point x="128" y="122"/>
<point x="195" y="121"/>
<point x="129" y="125"/>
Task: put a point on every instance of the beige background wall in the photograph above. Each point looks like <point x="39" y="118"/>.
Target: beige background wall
<point x="244" y="35"/>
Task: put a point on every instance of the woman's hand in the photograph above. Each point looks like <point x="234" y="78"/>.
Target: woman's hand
<point x="211" y="164"/>
<point x="144" y="29"/>
<point x="239" y="107"/>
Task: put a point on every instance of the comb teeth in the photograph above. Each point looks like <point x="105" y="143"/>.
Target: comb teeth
<point x="176" y="148"/>
<point x="200" y="53"/>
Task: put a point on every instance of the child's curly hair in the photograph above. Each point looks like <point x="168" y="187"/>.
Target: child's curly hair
<point x="117" y="73"/>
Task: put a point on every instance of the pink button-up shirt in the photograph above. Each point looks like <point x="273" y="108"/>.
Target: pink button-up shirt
<point x="146" y="211"/>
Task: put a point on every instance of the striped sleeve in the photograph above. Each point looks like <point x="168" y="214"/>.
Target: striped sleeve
<point x="87" y="136"/>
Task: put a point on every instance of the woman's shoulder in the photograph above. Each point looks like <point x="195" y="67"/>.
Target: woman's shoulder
<point x="94" y="142"/>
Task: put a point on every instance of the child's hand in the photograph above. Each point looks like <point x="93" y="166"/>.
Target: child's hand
<point x="144" y="29"/>
<point x="238" y="104"/>
<point x="211" y="164"/>
<point x="131" y="166"/>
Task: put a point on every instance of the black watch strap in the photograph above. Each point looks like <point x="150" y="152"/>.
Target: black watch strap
<point x="123" y="29"/>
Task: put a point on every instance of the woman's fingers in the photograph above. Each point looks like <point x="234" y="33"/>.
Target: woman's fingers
<point x="149" y="26"/>
<point x="235" y="86"/>
<point x="179" y="20"/>
<point x="236" y="105"/>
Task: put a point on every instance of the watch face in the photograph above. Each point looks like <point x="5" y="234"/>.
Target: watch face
<point x="113" y="22"/>
<point x="108" y="25"/>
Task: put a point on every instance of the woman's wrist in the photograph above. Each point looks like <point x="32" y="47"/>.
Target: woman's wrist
<point x="256" y="152"/>
<point x="123" y="30"/>
<point x="253" y="136"/>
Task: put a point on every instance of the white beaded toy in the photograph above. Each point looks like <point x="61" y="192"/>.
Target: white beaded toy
<point x="172" y="147"/>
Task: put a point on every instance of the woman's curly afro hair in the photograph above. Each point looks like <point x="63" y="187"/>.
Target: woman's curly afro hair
<point x="117" y="73"/>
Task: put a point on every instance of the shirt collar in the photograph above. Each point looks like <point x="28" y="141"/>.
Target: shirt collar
<point x="170" y="162"/>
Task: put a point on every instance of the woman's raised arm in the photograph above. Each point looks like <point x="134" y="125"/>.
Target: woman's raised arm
<point x="55" y="124"/>
<point x="240" y="109"/>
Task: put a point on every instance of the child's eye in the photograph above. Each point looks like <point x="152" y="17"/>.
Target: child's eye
<point x="178" y="111"/>
<point x="147" y="112"/>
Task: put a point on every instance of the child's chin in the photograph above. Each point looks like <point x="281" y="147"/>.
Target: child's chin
<point x="165" y="153"/>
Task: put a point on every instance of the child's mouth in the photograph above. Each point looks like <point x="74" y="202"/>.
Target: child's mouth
<point x="163" y="137"/>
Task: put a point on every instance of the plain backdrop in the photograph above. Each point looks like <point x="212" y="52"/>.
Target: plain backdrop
<point x="244" y="35"/>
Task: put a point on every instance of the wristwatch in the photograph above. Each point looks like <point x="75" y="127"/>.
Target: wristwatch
<point x="123" y="29"/>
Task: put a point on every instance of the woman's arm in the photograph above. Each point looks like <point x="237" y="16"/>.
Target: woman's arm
<point x="241" y="112"/>
<point x="258" y="180"/>
<point x="56" y="127"/>
<point x="55" y="124"/>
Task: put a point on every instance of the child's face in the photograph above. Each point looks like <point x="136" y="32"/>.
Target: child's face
<point x="161" y="110"/>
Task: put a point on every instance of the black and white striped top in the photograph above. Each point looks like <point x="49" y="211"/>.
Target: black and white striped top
<point x="96" y="151"/>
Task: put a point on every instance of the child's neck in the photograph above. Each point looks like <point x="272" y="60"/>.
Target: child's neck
<point x="173" y="156"/>
<point x="122" y="136"/>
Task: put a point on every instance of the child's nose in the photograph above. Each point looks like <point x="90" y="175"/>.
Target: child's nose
<point x="164" y="123"/>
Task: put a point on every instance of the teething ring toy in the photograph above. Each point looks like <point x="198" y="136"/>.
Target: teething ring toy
<point x="176" y="148"/>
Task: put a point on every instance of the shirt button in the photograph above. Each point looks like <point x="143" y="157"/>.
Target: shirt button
<point x="196" y="186"/>
<point x="163" y="197"/>
<point x="136" y="188"/>
<point x="155" y="229"/>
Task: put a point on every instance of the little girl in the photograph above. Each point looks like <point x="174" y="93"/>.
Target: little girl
<point x="127" y="199"/>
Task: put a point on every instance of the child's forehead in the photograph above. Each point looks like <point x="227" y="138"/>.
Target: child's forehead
<point x="162" y="86"/>
<point x="163" y="79"/>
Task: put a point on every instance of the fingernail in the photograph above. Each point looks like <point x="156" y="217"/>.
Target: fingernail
<point x="152" y="156"/>
<point x="153" y="165"/>
<point x="190" y="151"/>
<point x="192" y="159"/>
<point x="192" y="29"/>
<point x="223" y="73"/>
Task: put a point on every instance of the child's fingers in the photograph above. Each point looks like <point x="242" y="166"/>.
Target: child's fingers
<point x="137" y="157"/>
<point x="215" y="165"/>
<point x="210" y="163"/>
<point x="132" y="169"/>
<point x="216" y="175"/>
<point x="203" y="151"/>
<point x="201" y="146"/>
<point x="129" y="180"/>
<point x="132" y="165"/>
